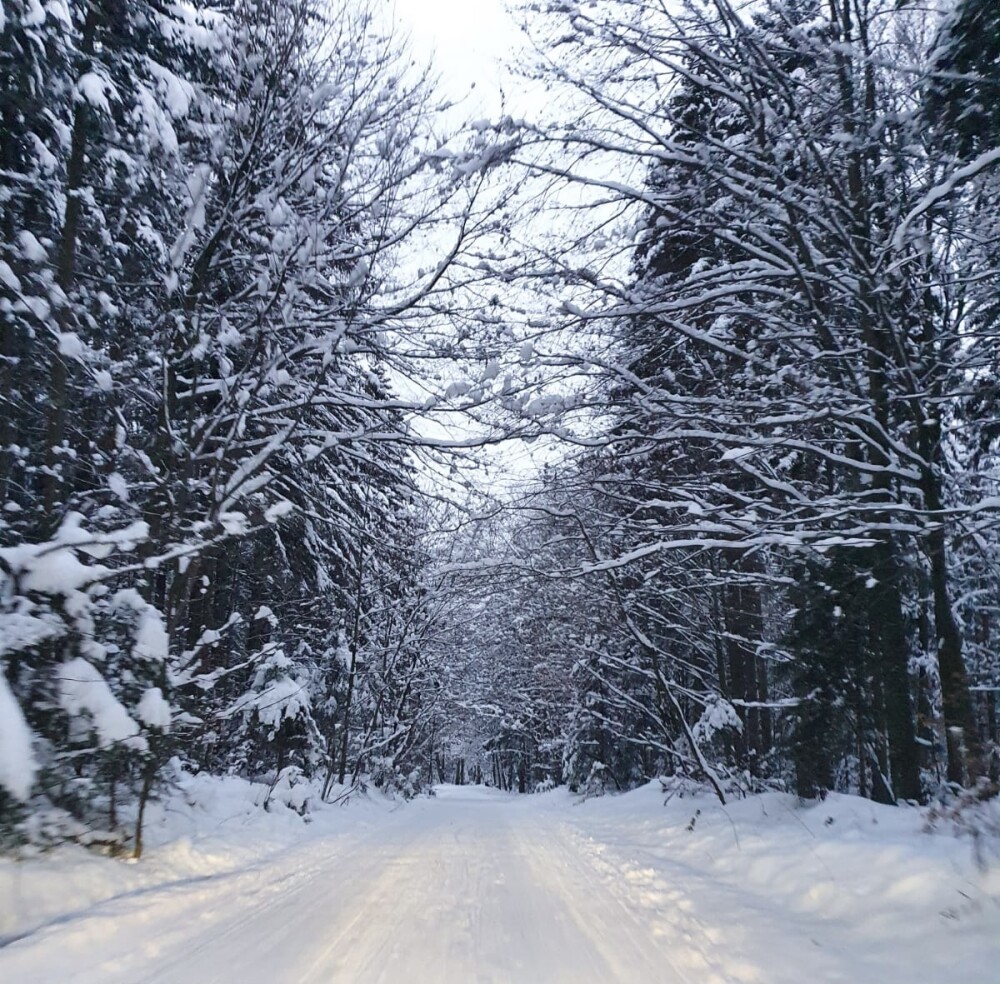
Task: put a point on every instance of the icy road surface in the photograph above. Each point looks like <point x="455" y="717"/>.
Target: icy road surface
<point x="455" y="890"/>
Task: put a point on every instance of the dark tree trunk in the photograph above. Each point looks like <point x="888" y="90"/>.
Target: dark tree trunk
<point x="890" y="641"/>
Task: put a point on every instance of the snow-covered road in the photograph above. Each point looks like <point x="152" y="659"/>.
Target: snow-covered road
<point x="454" y="890"/>
<point x="474" y="886"/>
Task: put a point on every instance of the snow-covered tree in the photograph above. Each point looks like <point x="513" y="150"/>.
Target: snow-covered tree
<point x="210" y="295"/>
<point x="794" y="336"/>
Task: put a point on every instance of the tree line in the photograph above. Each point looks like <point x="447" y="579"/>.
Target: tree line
<point x="781" y="512"/>
<point x="211" y="522"/>
<point x="738" y="274"/>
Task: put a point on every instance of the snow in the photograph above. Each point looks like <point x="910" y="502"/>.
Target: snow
<point x="150" y="634"/>
<point x="767" y="890"/>
<point x="8" y="278"/>
<point x="719" y="716"/>
<point x="279" y="509"/>
<point x="17" y="758"/>
<point x="53" y="568"/>
<point x="151" y="639"/>
<point x="234" y="523"/>
<point x="177" y="93"/>
<point x="70" y="345"/>
<point x="153" y="709"/>
<point x="95" y="89"/>
<point x="945" y="189"/>
<point x="116" y="481"/>
<point x="209" y="827"/>
<point x="82" y="689"/>
<point x="281" y="698"/>
<point x="20" y="631"/>
<point x="31" y="249"/>
<point x="34" y="14"/>
<point x="475" y="885"/>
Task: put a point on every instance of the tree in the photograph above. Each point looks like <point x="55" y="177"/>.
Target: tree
<point x="965" y="78"/>
<point x="210" y="281"/>
<point x="800" y="345"/>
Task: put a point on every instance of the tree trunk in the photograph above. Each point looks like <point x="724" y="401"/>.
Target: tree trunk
<point x="962" y="739"/>
<point x="889" y="632"/>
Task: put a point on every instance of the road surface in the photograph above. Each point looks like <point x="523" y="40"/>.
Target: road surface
<point x="467" y="888"/>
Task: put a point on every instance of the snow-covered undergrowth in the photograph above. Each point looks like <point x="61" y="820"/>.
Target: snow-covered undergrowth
<point x="768" y="890"/>
<point x="207" y="827"/>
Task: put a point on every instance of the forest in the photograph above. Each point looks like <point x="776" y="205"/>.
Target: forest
<point x="278" y="321"/>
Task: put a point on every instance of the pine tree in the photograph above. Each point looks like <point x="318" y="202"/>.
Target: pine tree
<point x="964" y="88"/>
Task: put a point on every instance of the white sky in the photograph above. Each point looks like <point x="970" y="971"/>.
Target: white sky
<point x="466" y="42"/>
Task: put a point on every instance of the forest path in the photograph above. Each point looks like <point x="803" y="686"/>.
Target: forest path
<point x="470" y="887"/>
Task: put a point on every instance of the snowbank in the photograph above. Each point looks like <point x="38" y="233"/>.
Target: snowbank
<point x="768" y="890"/>
<point x="208" y="827"/>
